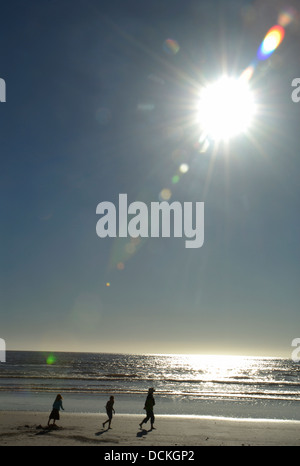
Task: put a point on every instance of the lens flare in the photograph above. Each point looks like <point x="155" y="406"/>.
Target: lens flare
<point x="286" y="17"/>
<point x="171" y="47"/>
<point x="51" y="359"/>
<point x="272" y="40"/>
<point x="184" y="168"/>
<point x="165" y="194"/>
<point x="248" y="73"/>
<point x="130" y="248"/>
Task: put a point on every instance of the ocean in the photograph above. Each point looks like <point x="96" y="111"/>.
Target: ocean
<point x="217" y="386"/>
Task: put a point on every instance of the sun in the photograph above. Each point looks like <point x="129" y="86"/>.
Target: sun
<point x="226" y="108"/>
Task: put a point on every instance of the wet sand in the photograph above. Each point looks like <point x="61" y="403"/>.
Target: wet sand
<point x="25" y="428"/>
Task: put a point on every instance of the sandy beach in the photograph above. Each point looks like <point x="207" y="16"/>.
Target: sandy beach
<point x="25" y="428"/>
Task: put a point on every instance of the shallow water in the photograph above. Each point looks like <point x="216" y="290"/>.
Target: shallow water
<point x="185" y="384"/>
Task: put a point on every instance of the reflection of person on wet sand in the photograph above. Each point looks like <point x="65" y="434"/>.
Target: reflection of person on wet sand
<point x="149" y="404"/>
<point x="109" y="410"/>
<point x="57" y="405"/>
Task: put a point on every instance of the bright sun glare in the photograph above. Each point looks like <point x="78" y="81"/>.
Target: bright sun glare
<point x="226" y="108"/>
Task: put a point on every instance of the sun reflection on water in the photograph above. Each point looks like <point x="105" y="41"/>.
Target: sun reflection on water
<point x="213" y="367"/>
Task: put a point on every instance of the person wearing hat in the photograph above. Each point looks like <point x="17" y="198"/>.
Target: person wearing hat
<point x="149" y="404"/>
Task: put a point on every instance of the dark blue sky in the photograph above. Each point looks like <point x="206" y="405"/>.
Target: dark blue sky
<point x="97" y="107"/>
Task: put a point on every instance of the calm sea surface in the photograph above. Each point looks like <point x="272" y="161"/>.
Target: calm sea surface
<point x="185" y="384"/>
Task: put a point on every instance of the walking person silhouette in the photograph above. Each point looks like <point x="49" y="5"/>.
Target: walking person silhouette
<point x="149" y="405"/>
<point x="109" y="410"/>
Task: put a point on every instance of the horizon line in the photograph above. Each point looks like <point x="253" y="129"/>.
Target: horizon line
<point x="154" y="354"/>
